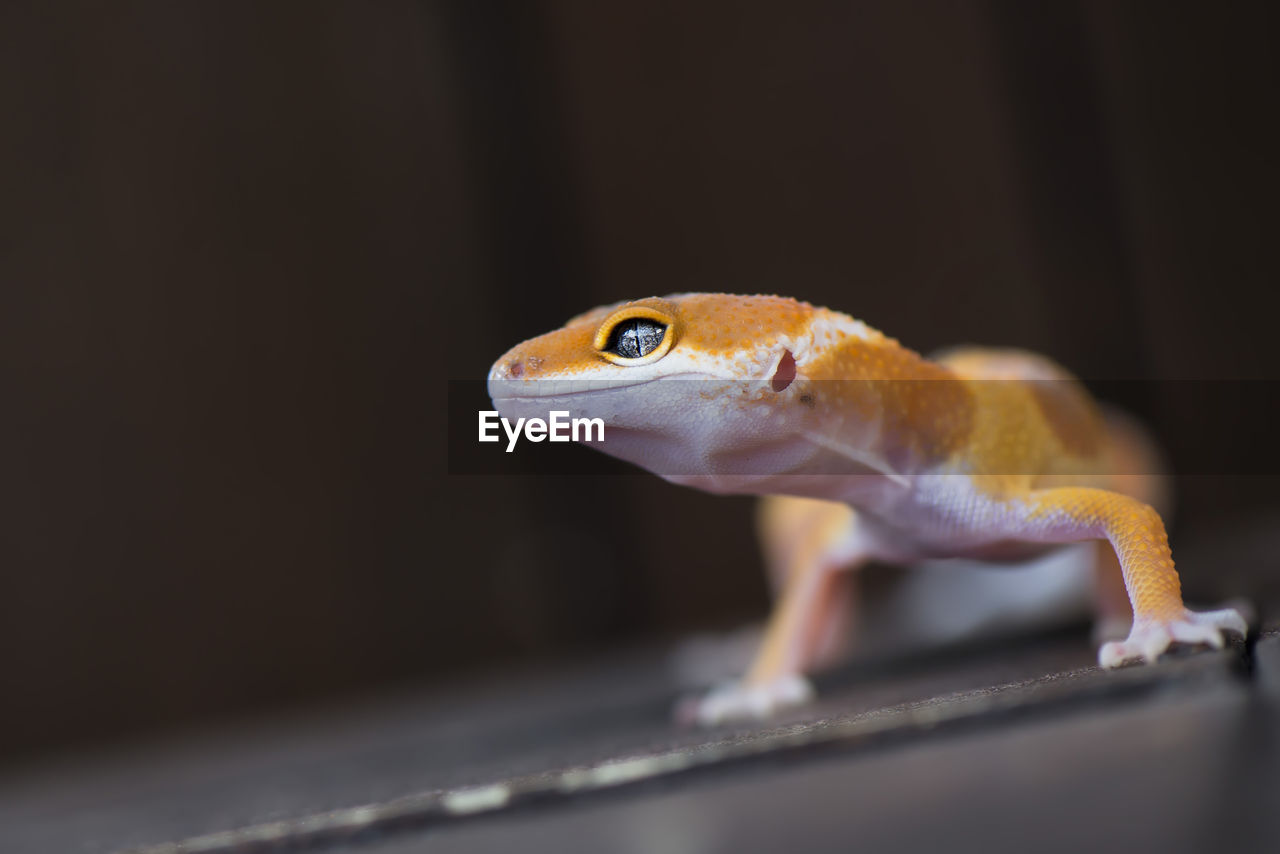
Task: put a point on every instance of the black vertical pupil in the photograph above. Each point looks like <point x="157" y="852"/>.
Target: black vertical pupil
<point x="636" y="337"/>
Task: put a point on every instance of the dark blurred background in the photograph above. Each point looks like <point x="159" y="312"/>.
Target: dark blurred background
<point x="245" y="247"/>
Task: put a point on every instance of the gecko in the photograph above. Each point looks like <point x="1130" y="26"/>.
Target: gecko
<point x="862" y="450"/>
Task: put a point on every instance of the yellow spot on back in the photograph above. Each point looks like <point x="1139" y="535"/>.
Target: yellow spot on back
<point x="1035" y="424"/>
<point x="927" y="410"/>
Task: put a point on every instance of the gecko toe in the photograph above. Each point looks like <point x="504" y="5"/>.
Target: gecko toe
<point x="741" y="701"/>
<point x="1155" y="642"/>
<point x="1227" y="619"/>
<point x="1112" y="654"/>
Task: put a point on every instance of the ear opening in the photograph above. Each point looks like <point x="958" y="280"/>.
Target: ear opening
<point x="785" y="373"/>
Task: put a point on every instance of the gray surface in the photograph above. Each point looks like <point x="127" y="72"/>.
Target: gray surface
<point x="970" y="743"/>
<point x="1130" y="778"/>
<point x="1194" y="770"/>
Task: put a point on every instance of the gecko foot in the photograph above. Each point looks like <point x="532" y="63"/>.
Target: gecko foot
<point x="739" y="701"/>
<point x="1149" y="638"/>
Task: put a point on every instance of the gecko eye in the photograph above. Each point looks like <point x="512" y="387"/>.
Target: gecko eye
<point x="635" y="338"/>
<point x="639" y="333"/>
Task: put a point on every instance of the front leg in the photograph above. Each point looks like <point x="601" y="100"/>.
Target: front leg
<point x="810" y="546"/>
<point x="1136" y="533"/>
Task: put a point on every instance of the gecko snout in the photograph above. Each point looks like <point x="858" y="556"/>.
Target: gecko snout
<point x="511" y="366"/>
<point x="516" y="365"/>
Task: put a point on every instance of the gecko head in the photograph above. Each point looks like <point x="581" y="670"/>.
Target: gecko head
<point x="632" y="344"/>
<point x="667" y="375"/>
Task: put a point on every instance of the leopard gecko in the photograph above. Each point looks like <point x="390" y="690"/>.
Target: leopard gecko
<point x="863" y="450"/>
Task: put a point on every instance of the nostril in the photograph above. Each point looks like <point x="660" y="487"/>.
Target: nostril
<point x="515" y="369"/>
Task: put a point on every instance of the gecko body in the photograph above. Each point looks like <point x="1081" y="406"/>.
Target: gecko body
<point x="864" y="450"/>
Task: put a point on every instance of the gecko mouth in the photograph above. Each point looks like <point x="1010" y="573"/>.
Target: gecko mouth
<point x="557" y="393"/>
<point x="500" y="390"/>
